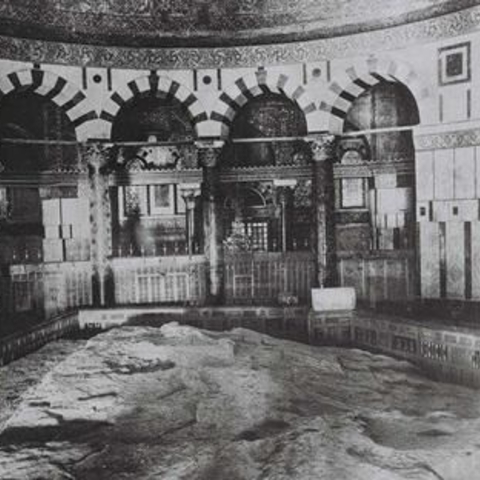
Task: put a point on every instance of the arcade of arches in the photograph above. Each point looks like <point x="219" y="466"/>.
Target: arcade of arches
<point x="136" y="174"/>
<point x="269" y="212"/>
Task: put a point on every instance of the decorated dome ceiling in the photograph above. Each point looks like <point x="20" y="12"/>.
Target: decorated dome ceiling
<point x="171" y="23"/>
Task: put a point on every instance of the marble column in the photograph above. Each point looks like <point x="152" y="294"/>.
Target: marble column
<point x="323" y="204"/>
<point x="209" y="157"/>
<point x="98" y="157"/>
<point x="189" y="192"/>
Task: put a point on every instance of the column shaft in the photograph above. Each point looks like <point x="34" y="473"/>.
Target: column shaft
<point x="212" y="221"/>
<point x="102" y="281"/>
<point x="323" y="204"/>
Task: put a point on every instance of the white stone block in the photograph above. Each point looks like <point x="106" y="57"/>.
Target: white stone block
<point x="51" y="212"/>
<point x="333" y="299"/>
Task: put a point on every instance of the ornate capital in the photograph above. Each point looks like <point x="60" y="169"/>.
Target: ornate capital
<point x="352" y="149"/>
<point x="283" y="186"/>
<point x="323" y="147"/>
<point x="189" y="191"/>
<point x="209" y="152"/>
<point x="98" y="155"/>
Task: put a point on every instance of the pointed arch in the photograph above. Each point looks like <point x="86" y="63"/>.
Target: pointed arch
<point x="362" y="76"/>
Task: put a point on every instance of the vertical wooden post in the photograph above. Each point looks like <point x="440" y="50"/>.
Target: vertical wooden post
<point x="98" y="158"/>
<point x="323" y="204"/>
<point x="209" y="155"/>
<point x="285" y="188"/>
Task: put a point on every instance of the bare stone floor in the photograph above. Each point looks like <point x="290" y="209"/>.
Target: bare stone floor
<point x="180" y="403"/>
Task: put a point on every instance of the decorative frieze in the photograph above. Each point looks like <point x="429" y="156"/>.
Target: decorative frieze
<point x="447" y="26"/>
<point x="460" y="138"/>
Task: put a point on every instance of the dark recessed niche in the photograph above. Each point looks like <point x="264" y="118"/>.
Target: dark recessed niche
<point x="423" y="211"/>
<point x="455" y="210"/>
<point x="207" y="79"/>
<point x="97" y="78"/>
<point x="316" y="72"/>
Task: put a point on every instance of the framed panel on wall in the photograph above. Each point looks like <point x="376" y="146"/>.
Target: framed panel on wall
<point x="162" y="200"/>
<point x="454" y="64"/>
<point x="353" y="193"/>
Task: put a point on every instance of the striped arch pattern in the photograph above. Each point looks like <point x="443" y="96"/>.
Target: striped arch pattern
<point x="254" y="85"/>
<point x="153" y="84"/>
<point x="52" y="87"/>
<point x="360" y="78"/>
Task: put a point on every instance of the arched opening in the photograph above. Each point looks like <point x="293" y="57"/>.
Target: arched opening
<point x="267" y="220"/>
<point x="42" y="217"/>
<point x="374" y="189"/>
<point x="267" y="116"/>
<point x="25" y="115"/>
<point x="149" y="218"/>
<point x="386" y="105"/>
<point x="149" y="115"/>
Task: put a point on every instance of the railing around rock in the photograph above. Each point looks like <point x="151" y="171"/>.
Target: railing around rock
<point x="262" y="278"/>
<point x="162" y="280"/>
<point x="45" y="290"/>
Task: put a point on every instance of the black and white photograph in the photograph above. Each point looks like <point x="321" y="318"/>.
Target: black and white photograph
<point x="239" y="239"/>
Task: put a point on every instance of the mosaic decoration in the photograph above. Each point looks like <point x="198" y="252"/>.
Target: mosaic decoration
<point x="362" y="78"/>
<point x="156" y="158"/>
<point x="209" y="23"/>
<point x="302" y="194"/>
<point x="447" y="26"/>
<point x="267" y="92"/>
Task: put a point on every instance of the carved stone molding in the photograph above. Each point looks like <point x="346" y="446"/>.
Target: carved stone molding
<point x="456" y="139"/>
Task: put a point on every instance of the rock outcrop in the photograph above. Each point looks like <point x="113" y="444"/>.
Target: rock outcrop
<point x="179" y="403"/>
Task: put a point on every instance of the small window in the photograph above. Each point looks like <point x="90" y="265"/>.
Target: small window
<point x="258" y="235"/>
<point x="353" y="193"/>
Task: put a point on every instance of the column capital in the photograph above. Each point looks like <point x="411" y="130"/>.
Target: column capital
<point x="209" y="152"/>
<point x="189" y="190"/>
<point x="323" y="147"/>
<point x="98" y="155"/>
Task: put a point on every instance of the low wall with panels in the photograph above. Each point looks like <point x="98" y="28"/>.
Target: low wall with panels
<point x="288" y="322"/>
<point x="383" y="276"/>
<point x="44" y="291"/>
<point x="21" y="343"/>
<point x="444" y="352"/>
